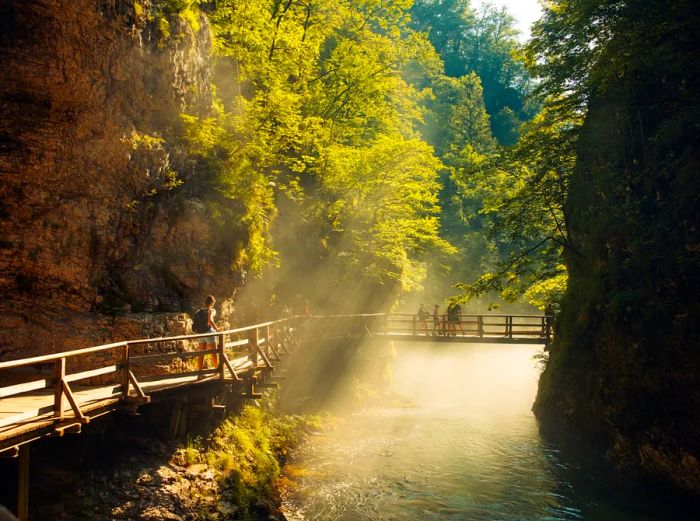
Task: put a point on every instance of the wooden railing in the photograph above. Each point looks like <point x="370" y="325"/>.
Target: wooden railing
<point x="121" y="362"/>
<point x="491" y="326"/>
<point x="128" y="365"/>
<point x="240" y="354"/>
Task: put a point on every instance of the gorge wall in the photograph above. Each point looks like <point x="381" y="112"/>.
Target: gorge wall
<point x="626" y="365"/>
<point x="105" y="231"/>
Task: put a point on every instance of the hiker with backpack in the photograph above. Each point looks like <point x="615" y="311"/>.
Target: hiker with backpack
<point x="204" y="323"/>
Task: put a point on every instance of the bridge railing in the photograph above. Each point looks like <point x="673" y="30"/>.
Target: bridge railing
<point x="124" y="364"/>
<point x="482" y="326"/>
<point x="333" y="326"/>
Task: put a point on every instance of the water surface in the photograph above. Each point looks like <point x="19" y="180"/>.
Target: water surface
<point x="461" y="444"/>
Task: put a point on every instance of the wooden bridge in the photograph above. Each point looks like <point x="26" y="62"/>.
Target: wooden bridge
<point x="59" y="393"/>
<point x="482" y="329"/>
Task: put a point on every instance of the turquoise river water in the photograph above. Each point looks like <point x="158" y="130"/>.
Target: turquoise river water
<point x="461" y="444"/>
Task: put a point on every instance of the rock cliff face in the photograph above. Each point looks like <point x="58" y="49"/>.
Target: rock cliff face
<point x="626" y="365"/>
<point x="101" y="212"/>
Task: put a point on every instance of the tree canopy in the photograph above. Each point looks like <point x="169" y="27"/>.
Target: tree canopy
<point x="377" y="138"/>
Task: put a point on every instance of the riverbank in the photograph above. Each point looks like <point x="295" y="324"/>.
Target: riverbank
<point x="229" y="474"/>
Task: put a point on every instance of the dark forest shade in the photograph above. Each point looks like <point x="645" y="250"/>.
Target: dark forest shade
<point x="626" y="365"/>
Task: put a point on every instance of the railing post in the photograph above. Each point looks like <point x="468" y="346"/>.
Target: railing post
<point x="253" y="345"/>
<point x="480" y="325"/>
<point x="125" y="371"/>
<point x="60" y="373"/>
<point x="267" y="341"/>
<point x="222" y="354"/>
<point x="509" y="321"/>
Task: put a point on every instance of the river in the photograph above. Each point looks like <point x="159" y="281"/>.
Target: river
<point x="460" y="444"/>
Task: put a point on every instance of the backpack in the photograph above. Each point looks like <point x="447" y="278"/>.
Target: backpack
<point x="200" y="324"/>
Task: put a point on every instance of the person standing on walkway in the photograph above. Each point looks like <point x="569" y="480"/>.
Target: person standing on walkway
<point x="454" y="319"/>
<point x="423" y="318"/>
<point x="436" y="320"/>
<point x="204" y="323"/>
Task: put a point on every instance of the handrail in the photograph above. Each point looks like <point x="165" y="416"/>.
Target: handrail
<point x="105" y="347"/>
<point x="56" y="356"/>
<point x="202" y="335"/>
<point x="121" y="344"/>
<point x="262" y="344"/>
<point x="122" y="360"/>
<point x="489" y="315"/>
<point x="346" y="316"/>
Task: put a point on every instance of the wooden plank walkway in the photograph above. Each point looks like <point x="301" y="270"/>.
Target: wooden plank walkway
<point x="36" y="405"/>
<point x="19" y="413"/>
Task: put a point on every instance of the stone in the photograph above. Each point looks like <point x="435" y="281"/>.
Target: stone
<point x="89" y="122"/>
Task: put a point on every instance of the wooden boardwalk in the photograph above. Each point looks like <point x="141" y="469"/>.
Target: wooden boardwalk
<point x="468" y="329"/>
<point x="131" y="373"/>
<point x="84" y="384"/>
<point x="136" y="372"/>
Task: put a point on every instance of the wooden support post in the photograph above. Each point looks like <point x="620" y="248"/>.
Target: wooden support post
<point x="125" y="371"/>
<point x="179" y="418"/>
<point x="60" y="373"/>
<point x="23" y="484"/>
<point x="509" y="326"/>
<point x="275" y="352"/>
<point x="253" y="346"/>
<point x="268" y="340"/>
<point x="230" y="368"/>
<point x="261" y="353"/>
<point x="137" y="388"/>
<point x="74" y="404"/>
<point x="222" y="357"/>
<point x="250" y="388"/>
<point x="274" y="332"/>
<point x="480" y="325"/>
<point x="286" y="340"/>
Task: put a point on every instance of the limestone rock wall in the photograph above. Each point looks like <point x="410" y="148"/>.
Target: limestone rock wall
<point x="626" y="365"/>
<point x="92" y="221"/>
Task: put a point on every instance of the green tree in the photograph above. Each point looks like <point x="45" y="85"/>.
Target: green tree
<point x="316" y="116"/>
<point x="457" y="117"/>
<point x="484" y="42"/>
<point x="523" y="191"/>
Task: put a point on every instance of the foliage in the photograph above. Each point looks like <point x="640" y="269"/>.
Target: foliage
<point x="245" y="453"/>
<point x="523" y="192"/>
<point x="325" y="111"/>
<point x="483" y="42"/>
<point x="457" y="117"/>
<point x="527" y="204"/>
<point x="381" y="203"/>
<point x="623" y="365"/>
<point x="250" y="445"/>
<point x="314" y="111"/>
<point x="479" y="110"/>
<point x="246" y="199"/>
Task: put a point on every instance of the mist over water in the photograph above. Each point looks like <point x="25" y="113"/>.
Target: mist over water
<point x="460" y="444"/>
